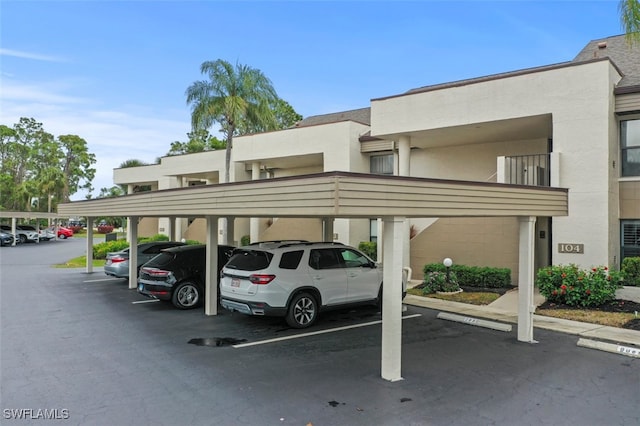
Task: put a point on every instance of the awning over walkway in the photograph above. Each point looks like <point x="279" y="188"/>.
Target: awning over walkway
<point x="334" y="194"/>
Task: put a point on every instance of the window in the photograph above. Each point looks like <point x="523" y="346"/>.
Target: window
<point x="381" y="164"/>
<point x="630" y="238"/>
<point x="353" y="259"/>
<point x="630" y="147"/>
<point x="324" y="259"/>
<point x="249" y="260"/>
<point x="373" y="230"/>
<point x="291" y="259"/>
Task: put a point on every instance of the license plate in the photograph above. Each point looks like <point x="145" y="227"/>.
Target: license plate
<point x="235" y="282"/>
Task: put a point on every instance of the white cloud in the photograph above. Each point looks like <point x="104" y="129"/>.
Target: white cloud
<point x="29" y="55"/>
<point x="113" y="133"/>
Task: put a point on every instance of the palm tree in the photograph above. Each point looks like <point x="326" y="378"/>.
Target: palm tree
<point x="630" y="19"/>
<point x="234" y="97"/>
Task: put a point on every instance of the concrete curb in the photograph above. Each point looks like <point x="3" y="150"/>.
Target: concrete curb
<point x="591" y="331"/>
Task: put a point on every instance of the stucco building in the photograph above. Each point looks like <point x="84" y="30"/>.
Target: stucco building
<point x="573" y="125"/>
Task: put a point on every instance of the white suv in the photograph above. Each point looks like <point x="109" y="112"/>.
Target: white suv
<point x="297" y="280"/>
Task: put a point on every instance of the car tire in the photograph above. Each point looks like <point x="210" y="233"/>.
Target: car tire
<point x="23" y="239"/>
<point x="303" y="311"/>
<point x="64" y="237"/>
<point x="187" y="295"/>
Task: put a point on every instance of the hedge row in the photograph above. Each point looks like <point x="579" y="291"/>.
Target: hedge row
<point x="100" y="250"/>
<point x="475" y="276"/>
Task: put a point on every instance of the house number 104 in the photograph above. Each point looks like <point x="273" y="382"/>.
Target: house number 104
<point x="570" y="248"/>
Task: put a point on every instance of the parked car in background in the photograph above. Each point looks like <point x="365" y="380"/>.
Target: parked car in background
<point x="178" y="274"/>
<point x="63" y="232"/>
<point x="117" y="264"/>
<point x="23" y="235"/>
<point x="6" y="238"/>
<point x="299" y="280"/>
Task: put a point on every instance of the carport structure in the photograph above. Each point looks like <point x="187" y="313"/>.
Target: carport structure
<point x="333" y="195"/>
<point x="14" y="216"/>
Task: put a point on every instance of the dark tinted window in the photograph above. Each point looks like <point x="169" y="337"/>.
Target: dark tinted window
<point x="324" y="259"/>
<point x="291" y="259"/>
<point x="160" y="260"/>
<point x="249" y="260"/>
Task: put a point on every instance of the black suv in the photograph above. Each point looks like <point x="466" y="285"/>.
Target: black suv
<point x="178" y="274"/>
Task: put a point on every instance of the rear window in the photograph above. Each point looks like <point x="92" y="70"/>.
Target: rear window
<point x="291" y="259"/>
<point x="162" y="259"/>
<point x="249" y="260"/>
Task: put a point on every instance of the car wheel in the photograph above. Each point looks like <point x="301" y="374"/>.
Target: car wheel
<point x="64" y="237"/>
<point x="186" y="296"/>
<point x="23" y="239"/>
<point x="303" y="311"/>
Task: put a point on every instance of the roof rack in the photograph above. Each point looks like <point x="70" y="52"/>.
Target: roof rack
<point x="311" y="243"/>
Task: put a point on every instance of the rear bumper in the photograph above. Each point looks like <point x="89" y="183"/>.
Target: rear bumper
<point x="154" y="291"/>
<point x="252" y="308"/>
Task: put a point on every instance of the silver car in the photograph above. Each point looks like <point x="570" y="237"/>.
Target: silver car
<point x="117" y="264"/>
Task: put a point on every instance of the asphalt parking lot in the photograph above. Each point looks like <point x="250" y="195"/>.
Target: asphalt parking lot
<point x="89" y="351"/>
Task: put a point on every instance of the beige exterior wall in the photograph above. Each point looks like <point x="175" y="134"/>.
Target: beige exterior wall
<point x="468" y="241"/>
<point x="476" y="162"/>
<point x="580" y="102"/>
<point x="148" y="226"/>
<point x="293" y="228"/>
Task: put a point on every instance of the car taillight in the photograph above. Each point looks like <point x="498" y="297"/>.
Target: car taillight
<point x="117" y="259"/>
<point x="155" y="272"/>
<point x="261" y="278"/>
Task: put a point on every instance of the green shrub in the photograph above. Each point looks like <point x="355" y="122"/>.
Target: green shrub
<point x="437" y="281"/>
<point x="573" y="286"/>
<point x="192" y="242"/>
<point x="631" y="271"/>
<point x="157" y="237"/>
<point x="475" y="276"/>
<point x="369" y="248"/>
<point x="100" y="250"/>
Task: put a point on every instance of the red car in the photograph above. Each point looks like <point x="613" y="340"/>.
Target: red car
<point x="63" y="232"/>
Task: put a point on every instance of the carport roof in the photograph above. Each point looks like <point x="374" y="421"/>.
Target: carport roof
<point x="334" y="194"/>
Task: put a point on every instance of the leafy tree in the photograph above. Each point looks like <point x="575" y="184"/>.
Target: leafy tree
<point x="230" y="97"/>
<point x="199" y="140"/>
<point x="285" y="116"/>
<point x="114" y="191"/>
<point x="76" y="165"/>
<point x="132" y="163"/>
<point x="630" y="19"/>
<point x="38" y="170"/>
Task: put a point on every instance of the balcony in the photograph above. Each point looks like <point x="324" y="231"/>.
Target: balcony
<point x="533" y="170"/>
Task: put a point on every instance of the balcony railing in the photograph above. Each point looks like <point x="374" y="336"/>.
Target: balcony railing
<point x="528" y="170"/>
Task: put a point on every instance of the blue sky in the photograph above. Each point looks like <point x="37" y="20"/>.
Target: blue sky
<point x="115" y="72"/>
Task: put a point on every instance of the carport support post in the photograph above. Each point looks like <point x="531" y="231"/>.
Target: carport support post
<point x="133" y="252"/>
<point x="526" y="307"/>
<point x="393" y="237"/>
<point x="89" y="265"/>
<point x="327" y="229"/>
<point x="211" y="269"/>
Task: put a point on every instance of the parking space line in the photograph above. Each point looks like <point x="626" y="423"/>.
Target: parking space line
<point x="145" y="301"/>
<point x="102" y="279"/>
<point x="314" y="333"/>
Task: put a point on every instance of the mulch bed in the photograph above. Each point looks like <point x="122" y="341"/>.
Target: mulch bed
<point x="625" y="306"/>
